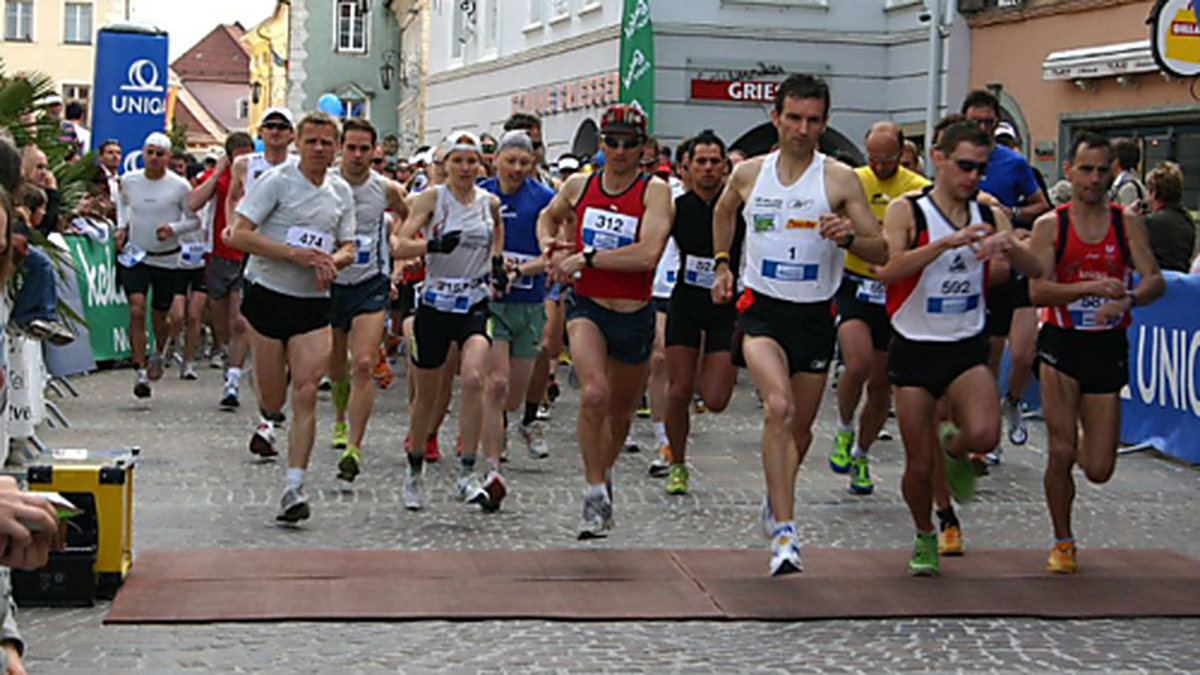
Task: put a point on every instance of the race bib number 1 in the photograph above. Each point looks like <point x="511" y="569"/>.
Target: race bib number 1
<point x="304" y="237"/>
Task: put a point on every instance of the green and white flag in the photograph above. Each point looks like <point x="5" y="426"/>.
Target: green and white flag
<point x="637" y="58"/>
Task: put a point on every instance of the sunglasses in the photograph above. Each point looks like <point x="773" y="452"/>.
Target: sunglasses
<point x="154" y="153"/>
<point x="626" y="144"/>
<point x="489" y="149"/>
<point x="377" y="161"/>
<point x="986" y="122"/>
<point x="967" y="166"/>
<point x="538" y="145"/>
<point x="277" y="126"/>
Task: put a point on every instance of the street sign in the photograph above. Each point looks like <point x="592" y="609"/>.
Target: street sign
<point x="1175" y="37"/>
<point x="739" y="91"/>
<point x="131" y="88"/>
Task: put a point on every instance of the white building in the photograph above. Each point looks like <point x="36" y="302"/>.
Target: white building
<point x="715" y="62"/>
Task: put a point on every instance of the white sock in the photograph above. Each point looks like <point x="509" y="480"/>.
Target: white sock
<point x="295" y="477"/>
<point x="660" y="433"/>
<point x="598" y="491"/>
<point x="857" y="452"/>
<point x="788" y="527"/>
<point x="233" y="376"/>
<point x="845" y="427"/>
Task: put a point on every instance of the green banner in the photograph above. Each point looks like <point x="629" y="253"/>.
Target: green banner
<point x="637" y="58"/>
<point x="104" y="305"/>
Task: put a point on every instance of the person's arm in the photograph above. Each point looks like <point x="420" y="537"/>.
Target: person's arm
<point x="553" y="223"/>
<point x="237" y="190"/>
<point x="419" y="215"/>
<point x="397" y="199"/>
<point x="1003" y="245"/>
<point x="124" y="214"/>
<point x="343" y="255"/>
<point x="53" y="212"/>
<point x="899" y="229"/>
<point x="724" y="226"/>
<point x="10" y="634"/>
<point x="1151" y="284"/>
<point x="864" y="240"/>
<point x="188" y="220"/>
<point x="202" y="193"/>
<point x="643" y="254"/>
<point x="1047" y="291"/>
<point x="1036" y="202"/>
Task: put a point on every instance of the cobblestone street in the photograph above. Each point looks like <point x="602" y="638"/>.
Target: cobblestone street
<point x="197" y="487"/>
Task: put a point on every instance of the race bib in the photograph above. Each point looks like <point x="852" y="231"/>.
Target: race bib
<point x="452" y="296"/>
<point x="522" y="283"/>
<point x="783" y="270"/>
<point x="304" y="237"/>
<point x="131" y="255"/>
<point x="953" y="295"/>
<point x="699" y="271"/>
<point x="871" y="291"/>
<point x="363" y="250"/>
<point x="606" y="230"/>
<point x="1083" y="313"/>
<point x="191" y="254"/>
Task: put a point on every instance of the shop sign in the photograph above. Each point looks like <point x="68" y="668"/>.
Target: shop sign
<point x="1175" y="37"/>
<point x="596" y="91"/>
<point x="739" y="91"/>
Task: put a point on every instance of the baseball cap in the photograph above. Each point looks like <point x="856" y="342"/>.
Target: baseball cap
<point x="52" y="99"/>
<point x="568" y="164"/>
<point x="623" y="117"/>
<point x="663" y="166"/>
<point x="280" y="112"/>
<point x="461" y="140"/>
<point x="158" y="140"/>
<point x="1005" y="129"/>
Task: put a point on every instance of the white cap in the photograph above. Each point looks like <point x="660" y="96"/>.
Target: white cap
<point x="461" y="141"/>
<point x="568" y="164"/>
<point x="279" y="112"/>
<point x="52" y="99"/>
<point x="158" y="140"/>
<point x="1005" y="129"/>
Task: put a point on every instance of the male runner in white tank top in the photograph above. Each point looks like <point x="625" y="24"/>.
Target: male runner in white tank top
<point x="791" y="265"/>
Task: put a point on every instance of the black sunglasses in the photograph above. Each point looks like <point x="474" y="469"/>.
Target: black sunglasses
<point x="277" y="126"/>
<point x="154" y="153"/>
<point x="986" y="122"/>
<point x="967" y="166"/>
<point x="627" y="144"/>
<point x="377" y="160"/>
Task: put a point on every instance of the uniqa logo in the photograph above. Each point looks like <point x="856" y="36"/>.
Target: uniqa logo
<point x="144" y="93"/>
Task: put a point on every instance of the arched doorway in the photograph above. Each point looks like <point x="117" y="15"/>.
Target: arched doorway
<point x="587" y="139"/>
<point x="761" y="139"/>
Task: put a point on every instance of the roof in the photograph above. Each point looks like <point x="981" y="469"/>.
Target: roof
<point x="219" y="56"/>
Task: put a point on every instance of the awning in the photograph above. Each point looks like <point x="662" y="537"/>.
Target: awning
<point x="1125" y="58"/>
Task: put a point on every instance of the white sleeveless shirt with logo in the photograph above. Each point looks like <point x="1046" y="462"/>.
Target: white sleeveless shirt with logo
<point x="372" y="254"/>
<point x="256" y="166"/>
<point x="945" y="302"/>
<point x="785" y="256"/>
<point x="456" y="281"/>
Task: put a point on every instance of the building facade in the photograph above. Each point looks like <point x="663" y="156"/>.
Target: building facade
<point x="267" y="45"/>
<point x="407" y="71"/>
<point x="1085" y="64"/>
<point x="340" y="47"/>
<point x="214" y="94"/>
<point x="716" y="63"/>
<point x="58" y="38"/>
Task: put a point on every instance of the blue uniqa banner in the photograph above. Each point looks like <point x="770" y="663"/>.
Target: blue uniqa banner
<point x="130" y="88"/>
<point x="1161" y="405"/>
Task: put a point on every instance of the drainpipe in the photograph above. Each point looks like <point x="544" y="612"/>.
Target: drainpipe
<point x="934" y="12"/>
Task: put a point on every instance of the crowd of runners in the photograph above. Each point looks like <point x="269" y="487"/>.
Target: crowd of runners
<point x="662" y="279"/>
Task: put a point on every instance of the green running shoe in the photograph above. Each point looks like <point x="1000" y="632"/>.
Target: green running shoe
<point x="860" y="477"/>
<point x="341" y="435"/>
<point x="839" y="459"/>
<point x="348" y="465"/>
<point x="924" y="560"/>
<point x="677" y="480"/>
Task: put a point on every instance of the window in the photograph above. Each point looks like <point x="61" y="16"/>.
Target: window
<point x="491" y="25"/>
<point x="77" y="92"/>
<point x="243" y="109"/>
<point x="535" y="11"/>
<point x="457" y="31"/>
<point x="351" y="27"/>
<point x="18" y="20"/>
<point x="559" y="8"/>
<point x="353" y="106"/>
<point x="77" y="19"/>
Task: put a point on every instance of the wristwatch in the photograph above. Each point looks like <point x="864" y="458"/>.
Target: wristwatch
<point x="589" y="256"/>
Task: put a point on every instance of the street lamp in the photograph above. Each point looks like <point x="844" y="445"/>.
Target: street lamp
<point x="387" y="70"/>
<point x="256" y="92"/>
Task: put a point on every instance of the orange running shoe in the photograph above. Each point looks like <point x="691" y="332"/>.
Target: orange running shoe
<point x="950" y="541"/>
<point x="383" y="372"/>
<point x="431" y="449"/>
<point x="1062" y="558"/>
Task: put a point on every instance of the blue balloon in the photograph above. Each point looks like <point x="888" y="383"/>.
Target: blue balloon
<point x="259" y="145"/>
<point x="328" y="103"/>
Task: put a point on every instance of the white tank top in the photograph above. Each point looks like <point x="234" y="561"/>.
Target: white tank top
<point x="668" y="267"/>
<point x="372" y="255"/>
<point x="945" y="302"/>
<point x="456" y="281"/>
<point x="785" y="256"/>
<point x="256" y="166"/>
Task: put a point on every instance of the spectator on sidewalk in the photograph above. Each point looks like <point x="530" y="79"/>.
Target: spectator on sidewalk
<point x="1127" y="189"/>
<point x="35" y="307"/>
<point x="35" y="170"/>
<point x="1171" y="228"/>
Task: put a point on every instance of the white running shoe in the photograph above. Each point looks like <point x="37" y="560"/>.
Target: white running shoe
<point x="154" y="370"/>
<point x="414" y="491"/>
<point x="1018" y="431"/>
<point x="490" y="493"/>
<point x="293" y="506"/>
<point x="785" y="553"/>
<point x="597" y="517"/>
<point x="188" y="372"/>
<point x="466" y="486"/>
<point x="534" y="434"/>
<point x="262" y="443"/>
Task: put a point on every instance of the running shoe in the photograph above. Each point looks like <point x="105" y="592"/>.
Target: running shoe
<point x="349" y="464"/>
<point x="465" y="487"/>
<point x="1018" y="431"/>
<point x="950" y="541"/>
<point x="1062" y="558"/>
<point x="785" y="553"/>
<point x="543" y="413"/>
<point x="229" y="397"/>
<point x="839" y="459"/>
<point x="188" y="372"/>
<point x="217" y="360"/>
<point x="631" y="445"/>
<point x="661" y="465"/>
<point x="677" y="480"/>
<point x="994" y="457"/>
<point x="293" y="506"/>
<point x="341" y="435"/>
<point x="960" y="473"/>
<point x="768" y="518"/>
<point x="490" y="493"/>
<point x="643" y="409"/>
<point x="155" y="369"/>
<point x="884" y="434"/>
<point x="141" y="385"/>
<point x="262" y="443"/>
<point x="924" y="560"/>
<point x="552" y="390"/>
<point x="860" y="476"/>
<point x="597" y="517"/>
<point x="534" y="434"/>
<point x="431" y="449"/>
<point x="413" y="493"/>
<point x="325" y="384"/>
<point x="383" y="374"/>
<point x="698" y="405"/>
